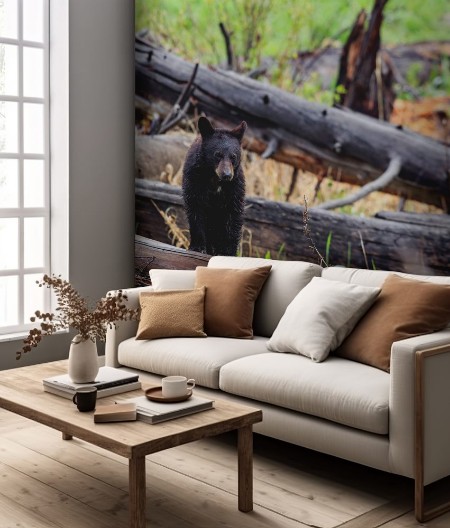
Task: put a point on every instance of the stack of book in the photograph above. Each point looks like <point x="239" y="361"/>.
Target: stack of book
<point x="155" y="412"/>
<point x="108" y="381"/>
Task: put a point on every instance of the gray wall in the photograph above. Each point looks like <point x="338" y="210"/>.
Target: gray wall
<point x="101" y="154"/>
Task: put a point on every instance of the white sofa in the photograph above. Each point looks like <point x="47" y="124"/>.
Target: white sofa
<point x="396" y="422"/>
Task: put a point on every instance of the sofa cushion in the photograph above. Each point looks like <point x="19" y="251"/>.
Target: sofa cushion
<point x="286" y="279"/>
<point x="405" y="308"/>
<point x="342" y="391"/>
<point x="230" y="299"/>
<point x="171" y="313"/>
<point x="367" y="277"/>
<point x="163" y="279"/>
<point x="320" y="317"/>
<point x="200" y="359"/>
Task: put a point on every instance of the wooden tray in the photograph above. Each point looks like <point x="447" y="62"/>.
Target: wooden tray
<point x="155" y="394"/>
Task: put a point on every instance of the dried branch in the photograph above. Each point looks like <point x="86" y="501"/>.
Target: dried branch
<point x="74" y="311"/>
<point x="181" y="106"/>
<point x="230" y="54"/>
<point x="388" y="175"/>
<point x="292" y="184"/>
<point x="271" y="148"/>
<point x="307" y="233"/>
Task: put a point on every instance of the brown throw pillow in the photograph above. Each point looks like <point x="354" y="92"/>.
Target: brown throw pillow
<point x="171" y="313"/>
<point x="230" y="299"/>
<point x="405" y="308"/>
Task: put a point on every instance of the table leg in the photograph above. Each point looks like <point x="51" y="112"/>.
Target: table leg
<point x="245" y="468"/>
<point x="136" y="487"/>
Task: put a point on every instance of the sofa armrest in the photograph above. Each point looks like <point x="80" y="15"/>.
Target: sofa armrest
<point x="425" y="358"/>
<point x="122" y="329"/>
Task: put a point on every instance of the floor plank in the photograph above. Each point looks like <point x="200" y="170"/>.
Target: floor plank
<point x="48" y="482"/>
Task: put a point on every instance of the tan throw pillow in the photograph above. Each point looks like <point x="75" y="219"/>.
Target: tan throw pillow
<point x="405" y="308"/>
<point x="171" y="313"/>
<point x="230" y="299"/>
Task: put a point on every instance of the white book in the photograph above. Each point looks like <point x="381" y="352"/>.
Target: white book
<point x="107" y="377"/>
<point x="102" y="393"/>
<point x="155" y="412"/>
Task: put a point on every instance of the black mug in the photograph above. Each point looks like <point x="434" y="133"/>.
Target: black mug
<point x="85" y="398"/>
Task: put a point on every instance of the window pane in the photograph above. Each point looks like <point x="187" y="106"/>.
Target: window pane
<point x="33" y="239"/>
<point x="33" y="183"/>
<point x="8" y="127"/>
<point x="33" y="128"/>
<point x="9" y="183"/>
<point x="8" y="18"/>
<point x="8" y="69"/>
<point x="33" y="20"/>
<point x="33" y="296"/>
<point x="9" y="237"/>
<point x="9" y="299"/>
<point x="33" y="72"/>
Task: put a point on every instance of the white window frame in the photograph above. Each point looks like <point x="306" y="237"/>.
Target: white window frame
<point x="55" y="156"/>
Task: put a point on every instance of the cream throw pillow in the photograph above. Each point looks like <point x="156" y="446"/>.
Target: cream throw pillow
<point x="171" y="313"/>
<point x="163" y="279"/>
<point x="320" y="317"/>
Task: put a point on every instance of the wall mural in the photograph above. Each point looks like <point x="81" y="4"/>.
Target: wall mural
<point x="299" y="133"/>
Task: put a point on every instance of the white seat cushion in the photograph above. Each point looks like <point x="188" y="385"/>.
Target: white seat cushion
<point x="198" y="358"/>
<point x="339" y="390"/>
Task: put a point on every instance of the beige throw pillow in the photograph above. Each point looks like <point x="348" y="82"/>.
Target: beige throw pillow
<point x="171" y="313"/>
<point x="320" y="317"/>
<point x="405" y="308"/>
<point x="230" y="299"/>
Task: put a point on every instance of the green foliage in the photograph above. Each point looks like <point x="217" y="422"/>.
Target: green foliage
<point x="327" y="248"/>
<point x="437" y="85"/>
<point x="280" y="28"/>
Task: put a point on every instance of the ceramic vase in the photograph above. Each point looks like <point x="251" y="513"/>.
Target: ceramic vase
<point x="83" y="360"/>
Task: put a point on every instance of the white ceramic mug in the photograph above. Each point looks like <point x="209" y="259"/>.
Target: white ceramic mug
<point x="176" y="386"/>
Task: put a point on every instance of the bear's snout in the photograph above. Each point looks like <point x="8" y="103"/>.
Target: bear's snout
<point x="225" y="170"/>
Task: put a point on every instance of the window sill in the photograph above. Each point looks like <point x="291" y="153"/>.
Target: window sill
<point x="20" y="336"/>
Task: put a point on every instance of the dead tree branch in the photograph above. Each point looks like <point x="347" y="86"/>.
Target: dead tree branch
<point x="228" y="46"/>
<point x="377" y="185"/>
<point x="181" y="106"/>
<point x="272" y="147"/>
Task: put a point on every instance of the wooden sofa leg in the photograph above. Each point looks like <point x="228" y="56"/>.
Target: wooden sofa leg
<point x="421" y="514"/>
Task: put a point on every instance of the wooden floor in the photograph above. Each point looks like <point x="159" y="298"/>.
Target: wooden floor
<point x="46" y="482"/>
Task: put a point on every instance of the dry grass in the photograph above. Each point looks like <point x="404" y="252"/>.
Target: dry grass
<point x="178" y="236"/>
<point x="271" y="180"/>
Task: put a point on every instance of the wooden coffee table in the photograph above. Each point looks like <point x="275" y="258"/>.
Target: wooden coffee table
<point x="21" y="392"/>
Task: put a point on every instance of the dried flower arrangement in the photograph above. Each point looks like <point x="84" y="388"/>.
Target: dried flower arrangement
<point x="74" y="311"/>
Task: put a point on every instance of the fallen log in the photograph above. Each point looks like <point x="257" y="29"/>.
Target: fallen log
<point x="151" y="254"/>
<point x="160" y="157"/>
<point x="360" y="147"/>
<point x="396" y="242"/>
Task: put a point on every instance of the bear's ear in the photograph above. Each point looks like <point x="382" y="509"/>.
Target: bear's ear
<point x="239" y="131"/>
<point x="205" y="127"/>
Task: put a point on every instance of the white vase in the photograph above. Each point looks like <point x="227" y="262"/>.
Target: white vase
<point x="83" y="360"/>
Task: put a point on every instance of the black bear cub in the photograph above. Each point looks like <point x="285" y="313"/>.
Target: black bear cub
<point x="214" y="189"/>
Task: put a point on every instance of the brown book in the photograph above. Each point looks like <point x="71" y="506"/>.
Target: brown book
<point x="118" y="412"/>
